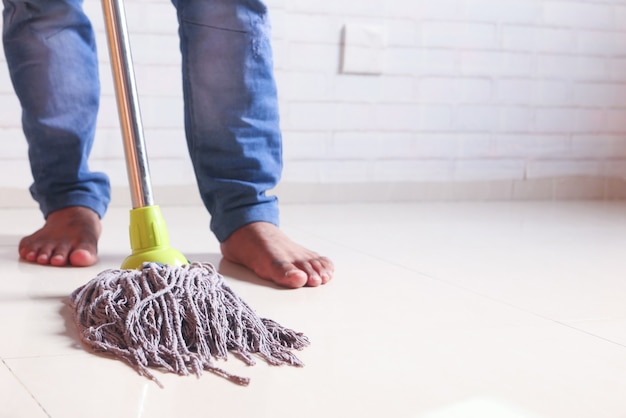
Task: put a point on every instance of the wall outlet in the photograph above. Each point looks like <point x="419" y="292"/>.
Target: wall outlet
<point x="362" y="49"/>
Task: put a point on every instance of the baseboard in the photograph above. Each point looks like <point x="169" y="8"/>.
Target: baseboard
<point x="562" y="188"/>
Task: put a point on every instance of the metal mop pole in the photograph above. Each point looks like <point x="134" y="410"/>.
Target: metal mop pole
<point x="128" y="103"/>
<point x="149" y="238"/>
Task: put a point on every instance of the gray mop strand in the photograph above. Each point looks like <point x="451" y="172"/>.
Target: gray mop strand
<point x="177" y="319"/>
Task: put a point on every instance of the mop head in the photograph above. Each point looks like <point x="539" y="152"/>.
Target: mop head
<point x="177" y="319"/>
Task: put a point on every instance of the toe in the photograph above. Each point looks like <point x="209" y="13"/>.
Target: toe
<point x="45" y="253"/>
<point x="314" y="281"/>
<point x="58" y="260"/>
<point x="29" y="255"/>
<point x="26" y="251"/>
<point x="327" y="272"/>
<point x="59" y="255"/>
<point x="322" y="271"/>
<point x="42" y="258"/>
<point x="82" y="258"/>
<point x="293" y="278"/>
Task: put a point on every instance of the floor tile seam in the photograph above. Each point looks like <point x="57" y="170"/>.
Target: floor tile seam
<point x="561" y="323"/>
<point x="487" y="297"/>
<point x="589" y="333"/>
<point x="25" y="387"/>
<point x="594" y="319"/>
<point x="43" y="356"/>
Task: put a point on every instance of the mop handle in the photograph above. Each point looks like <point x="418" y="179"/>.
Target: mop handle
<point x="128" y="103"/>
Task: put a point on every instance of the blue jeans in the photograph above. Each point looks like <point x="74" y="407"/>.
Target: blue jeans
<point x="231" y="108"/>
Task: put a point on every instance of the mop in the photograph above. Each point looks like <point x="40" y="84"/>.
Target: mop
<point x="159" y="311"/>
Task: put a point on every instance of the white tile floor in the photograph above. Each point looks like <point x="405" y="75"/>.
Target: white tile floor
<point x="487" y="310"/>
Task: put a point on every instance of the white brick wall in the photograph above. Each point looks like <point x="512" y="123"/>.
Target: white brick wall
<point x="471" y="91"/>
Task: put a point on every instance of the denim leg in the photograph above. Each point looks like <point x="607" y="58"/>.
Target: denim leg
<point x="51" y="53"/>
<point x="231" y="109"/>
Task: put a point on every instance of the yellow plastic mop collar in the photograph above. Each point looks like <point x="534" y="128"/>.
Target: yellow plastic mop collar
<point x="149" y="240"/>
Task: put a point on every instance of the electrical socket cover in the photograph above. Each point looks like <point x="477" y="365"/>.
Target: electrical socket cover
<point x="363" y="49"/>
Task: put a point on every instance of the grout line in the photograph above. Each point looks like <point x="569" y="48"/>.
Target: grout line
<point x="26" y="389"/>
<point x="472" y="291"/>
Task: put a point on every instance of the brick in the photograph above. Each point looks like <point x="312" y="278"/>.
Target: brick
<point x="514" y="91"/>
<point x="357" y="88"/>
<point x="166" y="143"/>
<point x="551" y="120"/>
<point x="16" y="174"/>
<point x="312" y="28"/>
<point x="306" y="86"/>
<point x="435" y="118"/>
<point x="578" y="14"/>
<point x="403" y="61"/>
<point x="615" y="169"/>
<point x="595" y="94"/>
<point x="171" y="172"/>
<point x="159" y="17"/>
<point x="108" y="144"/>
<point x="14" y="145"/>
<point x="397" y="89"/>
<point x="515" y="119"/>
<point x="620" y="17"/>
<point x="594" y="146"/>
<point x="162" y="80"/>
<point x="162" y="112"/>
<point x="303" y="145"/>
<point x="617" y="68"/>
<point x="490" y="169"/>
<point x="313" y="116"/>
<point x="476" y="118"/>
<point x="563" y="168"/>
<point x="360" y="8"/>
<point x="538" y="38"/>
<point x="279" y="20"/>
<point x="303" y="172"/>
<point x="11" y="114"/>
<point x="276" y="4"/>
<point x="357" y="145"/>
<point x="600" y="43"/>
<point x="312" y="57"/>
<point x="422" y="171"/>
<point x="348" y="171"/>
<point x="359" y="116"/>
<point x="496" y="63"/>
<point x="454" y="90"/>
<point x="532" y="146"/>
<point x="511" y="11"/>
<point x="436" y="146"/>
<point x="614" y="121"/>
<point x="441" y="9"/>
<point x="572" y="66"/>
<point x="402" y="32"/>
<point x="589" y="120"/>
<point x="476" y="146"/>
<point x="397" y="117"/>
<point x="553" y="93"/>
<point x="155" y="49"/>
<point x="438" y="61"/>
<point x="459" y="35"/>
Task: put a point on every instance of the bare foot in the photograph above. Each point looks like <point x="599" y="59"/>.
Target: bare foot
<point x="69" y="236"/>
<point x="264" y="249"/>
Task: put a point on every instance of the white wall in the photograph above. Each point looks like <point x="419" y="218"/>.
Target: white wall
<point x="476" y="98"/>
